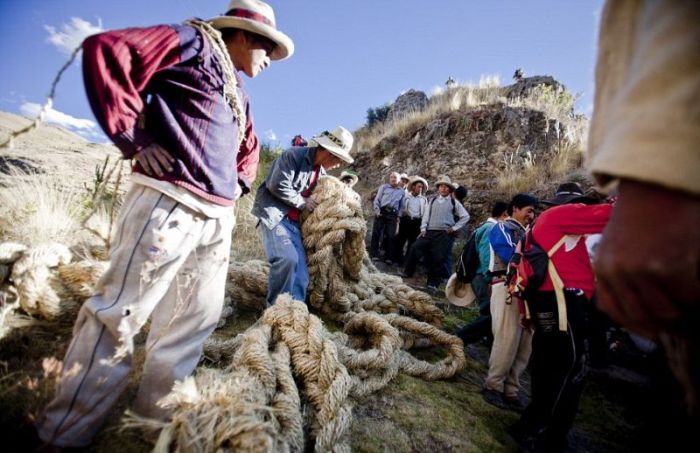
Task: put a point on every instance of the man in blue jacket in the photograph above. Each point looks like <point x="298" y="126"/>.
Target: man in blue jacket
<point x="481" y="326"/>
<point x="512" y="344"/>
<point x="281" y="198"/>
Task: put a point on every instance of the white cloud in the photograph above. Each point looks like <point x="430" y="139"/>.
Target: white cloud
<point x="270" y="135"/>
<point x="72" y="33"/>
<point x="84" y="127"/>
<point x="436" y="89"/>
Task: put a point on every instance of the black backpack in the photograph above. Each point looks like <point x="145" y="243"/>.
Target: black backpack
<point x="468" y="260"/>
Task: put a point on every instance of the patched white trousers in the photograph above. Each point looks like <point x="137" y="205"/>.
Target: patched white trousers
<point x="167" y="262"/>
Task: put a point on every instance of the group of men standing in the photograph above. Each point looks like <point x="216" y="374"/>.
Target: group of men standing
<point x="427" y="228"/>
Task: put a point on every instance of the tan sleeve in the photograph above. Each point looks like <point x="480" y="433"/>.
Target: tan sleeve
<point x="646" y="118"/>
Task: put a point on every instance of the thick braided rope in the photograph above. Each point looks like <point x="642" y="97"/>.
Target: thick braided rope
<point x="315" y="360"/>
<point x="252" y="405"/>
<point x="230" y="83"/>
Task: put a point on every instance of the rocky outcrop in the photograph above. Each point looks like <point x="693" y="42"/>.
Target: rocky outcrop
<point x="410" y="101"/>
<point x="471" y="145"/>
<point x="525" y="85"/>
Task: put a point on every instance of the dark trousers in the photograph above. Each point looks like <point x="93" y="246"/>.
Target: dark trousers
<point x="433" y="247"/>
<point x="383" y="232"/>
<point x="409" y="229"/>
<point x="481" y="326"/>
<point x="557" y="370"/>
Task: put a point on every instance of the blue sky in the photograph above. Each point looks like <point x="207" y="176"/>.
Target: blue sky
<point x="351" y="55"/>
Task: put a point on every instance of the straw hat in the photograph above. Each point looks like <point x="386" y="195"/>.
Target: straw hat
<point x="458" y="293"/>
<point x="414" y="179"/>
<point x="256" y="17"/>
<point x="444" y="179"/>
<point x="338" y="142"/>
<point x="347" y="174"/>
<point x="404" y="176"/>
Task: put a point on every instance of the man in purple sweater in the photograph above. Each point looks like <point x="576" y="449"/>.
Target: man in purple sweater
<point x="170" y="98"/>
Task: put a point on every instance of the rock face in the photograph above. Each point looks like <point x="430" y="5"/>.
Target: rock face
<point x="524" y="86"/>
<point x="473" y="145"/>
<point x="410" y="101"/>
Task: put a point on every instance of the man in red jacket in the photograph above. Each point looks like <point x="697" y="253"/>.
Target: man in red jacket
<point x="170" y="98"/>
<point x="557" y="363"/>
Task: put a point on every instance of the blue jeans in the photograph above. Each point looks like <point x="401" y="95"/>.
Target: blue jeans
<point x="285" y="252"/>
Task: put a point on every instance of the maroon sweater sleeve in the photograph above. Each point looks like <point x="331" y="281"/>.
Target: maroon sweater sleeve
<point x="248" y="154"/>
<point x="117" y="66"/>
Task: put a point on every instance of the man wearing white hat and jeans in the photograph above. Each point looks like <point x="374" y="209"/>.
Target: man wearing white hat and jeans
<point x="284" y="194"/>
<point x="169" y="259"/>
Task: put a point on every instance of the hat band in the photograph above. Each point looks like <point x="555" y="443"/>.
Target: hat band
<point x="333" y="138"/>
<point x="248" y="14"/>
<point x="568" y="193"/>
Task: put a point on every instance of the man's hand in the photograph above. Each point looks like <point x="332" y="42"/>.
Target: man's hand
<point x="154" y="159"/>
<point x="377" y="213"/>
<point x="310" y="204"/>
<point x="648" y="262"/>
<point x="452" y="233"/>
<point x="423" y="233"/>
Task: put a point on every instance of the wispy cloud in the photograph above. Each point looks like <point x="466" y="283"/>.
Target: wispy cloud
<point x="84" y="127"/>
<point x="270" y="135"/>
<point x="71" y="34"/>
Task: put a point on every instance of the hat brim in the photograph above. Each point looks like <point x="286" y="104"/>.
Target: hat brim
<point x="332" y="148"/>
<point x="448" y="184"/>
<point x="458" y="293"/>
<point x="353" y="177"/>
<point x="570" y="198"/>
<point x="284" y="45"/>
<point x="418" y="179"/>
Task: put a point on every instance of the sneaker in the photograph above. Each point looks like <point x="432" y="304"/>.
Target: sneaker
<point x="431" y="289"/>
<point x="493" y="397"/>
<point x="389" y="262"/>
<point x="375" y="258"/>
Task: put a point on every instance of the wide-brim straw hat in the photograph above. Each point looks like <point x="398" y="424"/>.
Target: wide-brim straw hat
<point x="346" y="174"/>
<point x="414" y="179"/>
<point x="458" y="293"/>
<point x="569" y="192"/>
<point x="404" y="176"/>
<point x="338" y="142"/>
<point x="444" y="179"/>
<point x="256" y="17"/>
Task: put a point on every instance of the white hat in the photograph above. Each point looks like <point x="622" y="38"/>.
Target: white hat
<point x="338" y="142"/>
<point x="347" y="174"/>
<point x="415" y="179"/>
<point x="444" y="179"/>
<point x="403" y="176"/>
<point x="257" y="17"/>
<point x="458" y="293"/>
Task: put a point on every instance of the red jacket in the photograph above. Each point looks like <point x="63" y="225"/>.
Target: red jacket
<point x="171" y="77"/>
<point x="573" y="266"/>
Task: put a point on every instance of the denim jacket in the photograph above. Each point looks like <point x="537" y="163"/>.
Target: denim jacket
<point x="288" y="177"/>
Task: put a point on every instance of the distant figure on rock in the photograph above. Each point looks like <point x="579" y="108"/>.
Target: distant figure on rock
<point x="518" y="75"/>
<point x="281" y="198"/>
<point x="450" y="82"/>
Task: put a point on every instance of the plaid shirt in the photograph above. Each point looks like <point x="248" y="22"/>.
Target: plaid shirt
<point x="164" y="84"/>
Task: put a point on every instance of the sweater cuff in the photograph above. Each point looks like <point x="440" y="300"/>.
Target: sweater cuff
<point x="131" y="141"/>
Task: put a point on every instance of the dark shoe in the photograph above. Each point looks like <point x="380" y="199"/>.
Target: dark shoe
<point x="525" y="441"/>
<point x="389" y="262"/>
<point x="513" y="403"/>
<point x="430" y="289"/>
<point x="375" y="258"/>
<point x="493" y="397"/>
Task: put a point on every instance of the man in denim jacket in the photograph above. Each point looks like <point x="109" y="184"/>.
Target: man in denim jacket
<point x="280" y="200"/>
